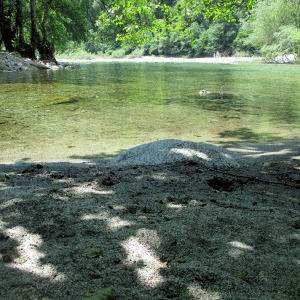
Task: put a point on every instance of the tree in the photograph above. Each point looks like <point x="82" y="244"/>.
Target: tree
<point x="6" y="29"/>
<point x="23" y="48"/>
<point x="46" y="23"/>
<point x="276" y="29"/>
<point x="137" y="21"/>
<point x="55" y="21"/>
<point x="12" y="28"/>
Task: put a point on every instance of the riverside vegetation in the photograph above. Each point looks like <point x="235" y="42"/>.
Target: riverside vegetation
<point x="182" y="29"/>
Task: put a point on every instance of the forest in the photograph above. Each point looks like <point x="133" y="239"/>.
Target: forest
<point x="47" y="29"/>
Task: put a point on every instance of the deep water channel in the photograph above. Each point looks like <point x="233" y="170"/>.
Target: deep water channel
<point x="104" y="108"/>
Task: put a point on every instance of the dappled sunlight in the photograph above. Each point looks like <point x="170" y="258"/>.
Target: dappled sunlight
<point x="263" y="150"/>
<point x="160" y="231"/>
<point x="11" y="202"/>
<point x="116" y="223"/>
<point x="198" y="292"/>
<point x="90" y="190"/>
<point x="29" y="256"/>
<point x="113" y="223"/>
<point x="175" y="206"/>
<point x="227" y="155"/>
<point x="191" y="153"/>
<point x="241" y="245"/>
<point x="245" y="150"/>
<point x="162" y="176"/>
<point x="3" y="224"/>
<point x="238" y="248"/>
<point x="281" y="152"/>
<point x="290" y="237"/>
<point x="137" y="252"/>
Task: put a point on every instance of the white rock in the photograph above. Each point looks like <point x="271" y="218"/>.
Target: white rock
<point x="204" y="92"/>
<point x="285" y="58"/>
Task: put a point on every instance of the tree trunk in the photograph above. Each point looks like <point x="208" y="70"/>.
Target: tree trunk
<point x="47" y="54"/>
<point x="35" y="37"/>
<point x="7" y="34"/>
<point x="48" y="47"/>
<point x="22" y="47"/>
<point x="45" y="48"/>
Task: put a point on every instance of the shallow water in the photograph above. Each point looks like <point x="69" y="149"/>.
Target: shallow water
<point x="104" y="108"/>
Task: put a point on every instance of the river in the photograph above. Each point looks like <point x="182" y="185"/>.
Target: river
<point x="104" y="108"/>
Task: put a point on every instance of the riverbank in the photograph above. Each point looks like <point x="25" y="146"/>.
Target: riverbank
<point x="216" y="60"/>
<point x="170" y="231"/>
<point x="10" y="62"/>
<point x="284" y="59"/>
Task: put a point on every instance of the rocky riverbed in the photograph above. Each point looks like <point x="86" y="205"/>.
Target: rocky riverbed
<point x="10" y="62"/>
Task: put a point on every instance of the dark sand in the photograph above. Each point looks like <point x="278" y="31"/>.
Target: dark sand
<point x="171" y="231"/>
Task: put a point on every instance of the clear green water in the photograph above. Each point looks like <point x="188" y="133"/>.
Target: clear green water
<point x="105" y="108"/>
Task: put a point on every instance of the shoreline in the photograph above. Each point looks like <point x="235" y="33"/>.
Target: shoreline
<point x="179" y="231"/>
<point x="245" y="153"/>
<point x="147" y="59"/>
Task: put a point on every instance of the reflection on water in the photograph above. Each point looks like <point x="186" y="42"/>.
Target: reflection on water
<point x="105" y="108"/>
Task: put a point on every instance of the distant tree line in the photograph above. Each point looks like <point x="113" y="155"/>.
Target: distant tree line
<point x="189" y="28"/>
<point x="29" y="26"/>
<point x="271" y="28"/>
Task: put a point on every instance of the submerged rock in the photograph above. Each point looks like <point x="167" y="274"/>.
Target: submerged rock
<point x="204" y="92"/>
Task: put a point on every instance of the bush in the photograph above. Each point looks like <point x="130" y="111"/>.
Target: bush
<point x="241" y="54"/>
<point x="138" y="52"/>
<point x="120" y="53"/>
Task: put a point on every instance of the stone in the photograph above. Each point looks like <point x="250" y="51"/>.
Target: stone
<point x="204" y="92"/>
<point x="11" y="62"/>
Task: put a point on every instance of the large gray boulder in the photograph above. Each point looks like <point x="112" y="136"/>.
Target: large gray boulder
<point x="168" y="151"/>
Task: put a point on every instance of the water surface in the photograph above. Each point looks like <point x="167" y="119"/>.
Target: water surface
<point x="104" y="108"/>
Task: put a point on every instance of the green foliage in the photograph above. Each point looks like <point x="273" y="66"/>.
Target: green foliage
<point x="63" y="20"/>
<point x="138" y="52"/>
<point x="241" y="47"/>
<point x="118" y="53"/>
<point x="190" y="28"/>
<point x="137" y="21"/>
<point x="67" y="20"/>
<point x="200" y="44"/>
<point x="275" y="30"/>
<point x="286" y="40"/>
